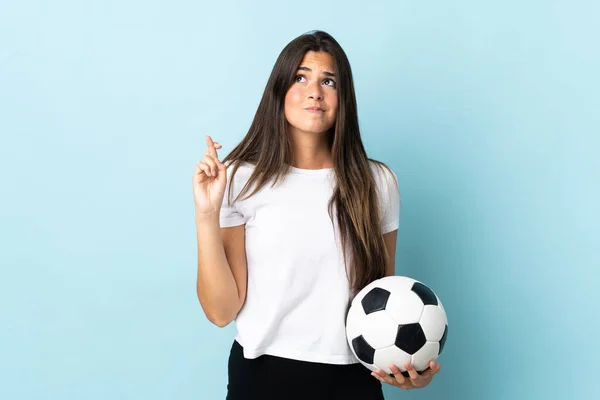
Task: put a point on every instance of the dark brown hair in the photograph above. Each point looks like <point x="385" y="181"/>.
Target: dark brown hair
<point x="268" y="147"/>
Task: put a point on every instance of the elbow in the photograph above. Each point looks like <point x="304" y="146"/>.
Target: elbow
<point x="219" y="321"/>
<point x="220" y="318"/>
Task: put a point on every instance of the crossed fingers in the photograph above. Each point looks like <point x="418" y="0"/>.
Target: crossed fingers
<point x="209" y="164"/>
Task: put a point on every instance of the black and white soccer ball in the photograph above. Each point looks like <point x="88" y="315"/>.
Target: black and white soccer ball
<point x="396" y="319"/>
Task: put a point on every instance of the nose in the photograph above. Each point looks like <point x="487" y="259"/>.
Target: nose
<point x="315" y="92"/>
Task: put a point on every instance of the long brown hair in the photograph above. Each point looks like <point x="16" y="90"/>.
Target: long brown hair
<point x="268" y="147"/>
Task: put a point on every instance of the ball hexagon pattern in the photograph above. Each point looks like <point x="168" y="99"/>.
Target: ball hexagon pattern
<point x="396" y="319"/>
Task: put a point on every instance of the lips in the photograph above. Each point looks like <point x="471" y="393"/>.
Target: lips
<point x="314" y="109"/>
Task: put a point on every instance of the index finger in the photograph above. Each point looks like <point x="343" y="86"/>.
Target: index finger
<point x="212" y="151"/>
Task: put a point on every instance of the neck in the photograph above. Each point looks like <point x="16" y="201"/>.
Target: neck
<point x="311" y="150"/>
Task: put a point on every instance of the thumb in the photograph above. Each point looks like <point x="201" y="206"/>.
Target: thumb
<point x="222" y="171"/>
<point x="220" y="166"/>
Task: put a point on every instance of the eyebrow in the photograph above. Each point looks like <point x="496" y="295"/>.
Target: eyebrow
<point x="327" y="73"/>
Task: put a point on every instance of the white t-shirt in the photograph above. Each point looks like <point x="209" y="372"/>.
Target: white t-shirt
<point x="298" y="291"/>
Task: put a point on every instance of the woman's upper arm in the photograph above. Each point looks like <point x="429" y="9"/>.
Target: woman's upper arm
<point x="390" y="244"/>
<point x="234" y="244"/>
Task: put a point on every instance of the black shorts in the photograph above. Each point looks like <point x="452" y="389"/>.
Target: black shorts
<point x="269" y="377"/>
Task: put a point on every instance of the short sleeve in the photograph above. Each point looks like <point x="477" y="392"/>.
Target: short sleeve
<point x="389" y="199"/>
<point x="230" y="214"/>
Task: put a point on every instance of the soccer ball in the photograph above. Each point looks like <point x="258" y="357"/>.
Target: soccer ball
<point x="393" y="320"/>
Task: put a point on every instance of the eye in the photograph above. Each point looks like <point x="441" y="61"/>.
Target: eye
<point x="299" y="78"/>
<point x="329" y="82"/>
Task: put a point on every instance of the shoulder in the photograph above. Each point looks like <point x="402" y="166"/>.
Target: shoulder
<point x="238" y="175"/>
<point x="389" y="199"/>
<point x="241" y="171"/>
<point x="384" y="175"/>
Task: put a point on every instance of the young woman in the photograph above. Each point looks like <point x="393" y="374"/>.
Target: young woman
<point x="291" y="225"/>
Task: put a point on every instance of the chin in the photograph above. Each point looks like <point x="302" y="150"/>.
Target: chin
<point x="317" y="130"/>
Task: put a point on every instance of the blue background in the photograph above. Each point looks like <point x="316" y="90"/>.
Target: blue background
<point x="487" y="111"/>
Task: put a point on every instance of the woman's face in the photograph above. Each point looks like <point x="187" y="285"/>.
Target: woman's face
<point x="311" y="102"/>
